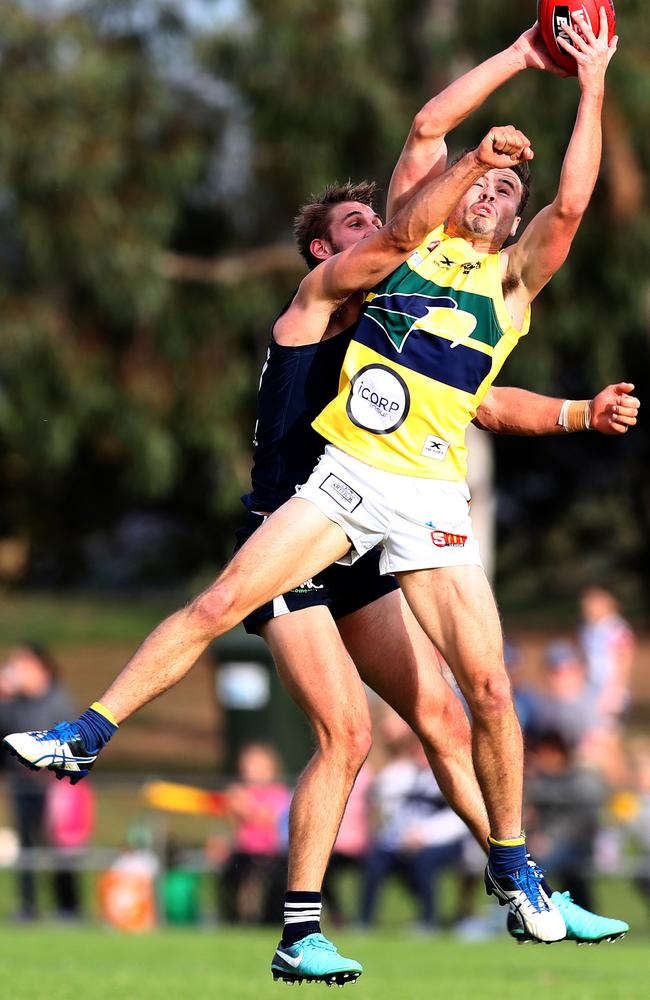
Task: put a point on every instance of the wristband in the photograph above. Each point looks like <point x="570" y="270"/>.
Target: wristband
<point x="575" y="415"/>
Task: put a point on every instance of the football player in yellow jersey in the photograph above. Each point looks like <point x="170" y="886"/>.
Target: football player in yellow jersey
<point x="297" y="541"/>
<point x="412" y="380"/>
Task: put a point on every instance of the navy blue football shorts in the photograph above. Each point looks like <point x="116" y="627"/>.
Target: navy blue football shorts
<point x="341" y="589"/>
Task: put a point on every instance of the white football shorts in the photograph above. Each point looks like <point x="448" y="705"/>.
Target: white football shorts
<point x="419" y="523"/>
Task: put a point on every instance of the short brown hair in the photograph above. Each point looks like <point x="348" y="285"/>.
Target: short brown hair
<point x="522" y="170"/>
<point x="312" y="221"/>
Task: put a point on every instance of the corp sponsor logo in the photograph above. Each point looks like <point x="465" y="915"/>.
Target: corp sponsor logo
<point x="442" y="539"/>
<point x="379" y="399"/>
<point x="344" y="495"/>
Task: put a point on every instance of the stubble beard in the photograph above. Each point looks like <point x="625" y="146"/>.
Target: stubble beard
<point x="479" y="225"/>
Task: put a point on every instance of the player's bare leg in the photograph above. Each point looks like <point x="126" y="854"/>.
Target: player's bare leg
<point x="318" y="673"/>
<point x="294" y="544"/>
<point x="397" y="660"/>
<point x="456" y="608"/>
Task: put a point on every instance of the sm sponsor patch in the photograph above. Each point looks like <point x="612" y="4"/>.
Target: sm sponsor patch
<point x="442" y="539"/>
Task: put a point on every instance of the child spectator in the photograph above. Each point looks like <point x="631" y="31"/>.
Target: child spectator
<point x="252" y="882"/>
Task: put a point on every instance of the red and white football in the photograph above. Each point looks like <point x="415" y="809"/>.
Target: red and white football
<point x="553" y="17"/>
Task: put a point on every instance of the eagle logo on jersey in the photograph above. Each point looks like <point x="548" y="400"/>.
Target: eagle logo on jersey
<point x="398" y="315"/>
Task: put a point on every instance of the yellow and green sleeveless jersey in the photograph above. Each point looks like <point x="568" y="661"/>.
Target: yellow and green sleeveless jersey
<point x="431" y="340"/>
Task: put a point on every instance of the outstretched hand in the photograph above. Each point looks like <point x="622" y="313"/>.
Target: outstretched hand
<point x="503" y="146"/>
<point x="591" y="52"/>
<point x="613" y="410"/>
<point x="532" y="47"/>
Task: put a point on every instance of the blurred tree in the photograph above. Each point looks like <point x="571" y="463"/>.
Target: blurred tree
<point x="149" y="172"/>
<point x="119" y="386"/>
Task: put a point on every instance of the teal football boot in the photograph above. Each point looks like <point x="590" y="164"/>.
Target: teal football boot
<point x="314" y="959"/>
<point x="582" y="926"/>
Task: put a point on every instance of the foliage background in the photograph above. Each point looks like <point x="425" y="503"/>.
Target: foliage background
<point x="152" y="156"/>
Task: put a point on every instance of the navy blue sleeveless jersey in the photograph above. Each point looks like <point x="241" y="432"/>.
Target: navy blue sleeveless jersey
<point x="296" y="384"/>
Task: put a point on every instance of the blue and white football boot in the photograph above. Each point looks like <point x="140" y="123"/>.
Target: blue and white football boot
<point x="314" y="959"/>
<point x="540" y="918"/>
<point x="60" y="749"/>
<point x="582" y="926"/>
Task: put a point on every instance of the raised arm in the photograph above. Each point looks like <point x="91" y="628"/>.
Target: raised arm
<point x="544" y="246"/>
<point x="507" y="410"/>
<point x="361" y="266"/>
<point x="425" y="152"/>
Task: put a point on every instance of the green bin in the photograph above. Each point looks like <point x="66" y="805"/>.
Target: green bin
<point x="181" y="897"/>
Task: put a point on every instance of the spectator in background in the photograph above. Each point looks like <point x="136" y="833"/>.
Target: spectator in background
<point x="566" y="704"/>
<point x="608" y="646"/>
<point x="252" y="882"/>
<point x="564" y="801"/>
<point x="69" y="822"/>
<point x="416" y="833"/>
<point x="30" y="697"/>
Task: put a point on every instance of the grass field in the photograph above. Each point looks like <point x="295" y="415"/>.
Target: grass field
<point x="47" y="962"/>
<point x="51" y="964"/>
<point x="77" y="619"/>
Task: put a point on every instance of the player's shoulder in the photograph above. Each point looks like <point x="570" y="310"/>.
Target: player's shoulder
<point x="306" y="309"/>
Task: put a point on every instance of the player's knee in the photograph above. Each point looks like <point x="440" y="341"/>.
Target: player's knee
<point x="216" y="609"/>
<point x="359" y="743"/>
<point x="491" y="696"/>
<point x="442" y="724"/>
<point x="354" y="744"/>
<point x="347" y="739"/>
